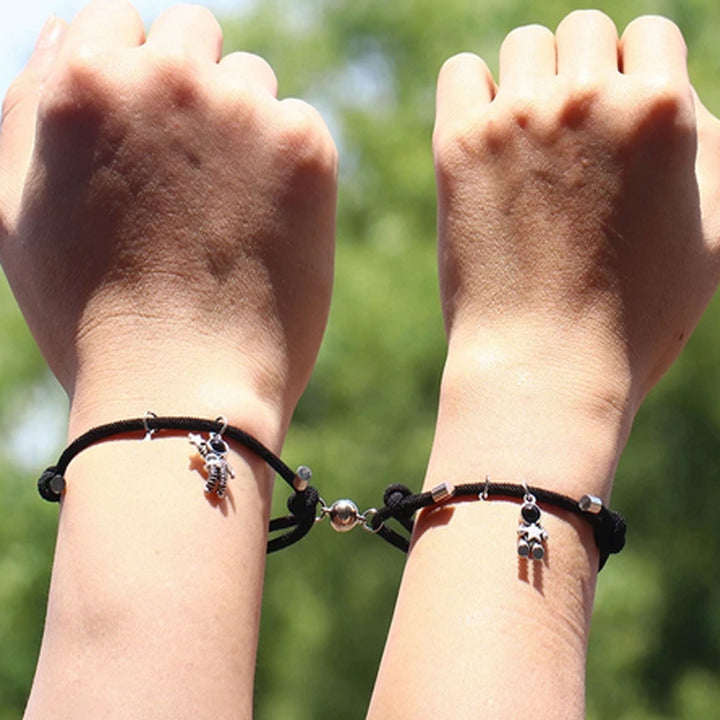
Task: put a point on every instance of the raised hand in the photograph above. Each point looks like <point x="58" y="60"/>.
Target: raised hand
<point x="579" y="230"/>
<point x="167" y="228"/>
<point x="169" y="218"/>
<point x="579" y="200"/>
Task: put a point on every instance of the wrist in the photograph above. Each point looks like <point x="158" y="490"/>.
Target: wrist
<point x="187" y="384"/>
<point x="174" y="361"/>
<point x="535" y="417"/>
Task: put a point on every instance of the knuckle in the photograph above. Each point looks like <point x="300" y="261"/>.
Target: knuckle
<point x="175" y="72"/>
<point x="671" y="105"/>
<point x="84" y="70"/>
<point x="304" y="136"/>
<point x="668" y="104"/>
<point x="83" y="82"/>
<point x="454" y="143"/>
<point x="581" y="99"/>
<point x="511" y="119"/>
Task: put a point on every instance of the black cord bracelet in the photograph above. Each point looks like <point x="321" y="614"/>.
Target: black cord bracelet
<point x="400" y="504"/>
<point x="301" y="504"/>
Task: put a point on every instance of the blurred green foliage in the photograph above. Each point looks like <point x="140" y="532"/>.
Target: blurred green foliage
<point x="367" y="417"/>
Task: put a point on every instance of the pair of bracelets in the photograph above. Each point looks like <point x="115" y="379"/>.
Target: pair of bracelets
<point x="306" y="507"/>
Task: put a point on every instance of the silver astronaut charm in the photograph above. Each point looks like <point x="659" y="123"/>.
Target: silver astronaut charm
<point x="531" y="534"/>
<point x="214" y="452"/>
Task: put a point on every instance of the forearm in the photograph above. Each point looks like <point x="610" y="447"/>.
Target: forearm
<point x="567" y="292"/>
<point x="155" y="595"/>
<point x="477" y="631"/>
<point x="168" y="231"/>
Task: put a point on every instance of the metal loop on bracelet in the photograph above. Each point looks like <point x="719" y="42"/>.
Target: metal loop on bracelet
<point x="528" y="497"/>
<point x="484" y="494"/>
<point x="368" y="517"/>
<point x="149" y="432"/>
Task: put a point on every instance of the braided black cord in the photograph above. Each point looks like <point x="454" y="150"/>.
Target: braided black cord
<point x="52" y="482"/>
<point x="187" y="424"/>
<point x="401" y="504"/>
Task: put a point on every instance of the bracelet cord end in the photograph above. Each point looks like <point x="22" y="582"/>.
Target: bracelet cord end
<point x="51" y="485"/>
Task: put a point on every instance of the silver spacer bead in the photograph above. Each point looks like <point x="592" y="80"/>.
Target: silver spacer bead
<point x="303" y="475"/>
<point x="590" y="504"/>
<point x="442" y="492"/>
<point x="57" y="484"/>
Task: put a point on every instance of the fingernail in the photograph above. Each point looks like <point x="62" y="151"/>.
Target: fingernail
<point x="50" y="34"/>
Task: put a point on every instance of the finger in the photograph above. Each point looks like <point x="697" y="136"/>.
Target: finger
<point x="526" y="56"/>
<point x="464" y="85"/>
<point x="17" y="133"/>
<point x="251" y="69"/>
<point x="707" y="169"/>
<point x="188" y="30"/>
<point x="653" y="45"/>
<point x="587" y="45"/>
<point x="105" y="25"/>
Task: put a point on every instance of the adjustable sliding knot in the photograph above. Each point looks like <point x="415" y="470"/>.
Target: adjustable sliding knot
<point x="394" y="498"/>
<point x="616" y="534"/>
<point x="302" y="504"/>
<point x="610" y="535"/>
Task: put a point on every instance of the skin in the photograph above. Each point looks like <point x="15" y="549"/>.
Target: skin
<point x="178" y="221"/>
<point x="579" y="224"/>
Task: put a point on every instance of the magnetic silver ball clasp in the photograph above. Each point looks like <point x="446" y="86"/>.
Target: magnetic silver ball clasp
<point x="344" y="515"/>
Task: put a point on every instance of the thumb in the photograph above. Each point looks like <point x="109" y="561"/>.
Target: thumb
<point x="707" y="169"/>
<point x="17" y="131"/>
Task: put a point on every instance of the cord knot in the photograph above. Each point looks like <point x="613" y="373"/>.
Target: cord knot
<point x="616" y="534"/>
<point x="393" y="499"/>
<point x="304" y="504"/>
<point x="610" y="535"/>
<point x="51" y="485"/>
